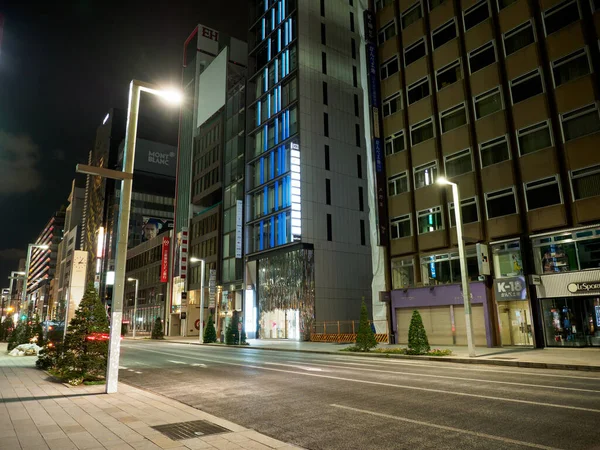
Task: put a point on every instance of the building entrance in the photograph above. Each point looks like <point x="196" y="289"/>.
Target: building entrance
<point x="515" y="322"/>
<point x="280" y="324"/>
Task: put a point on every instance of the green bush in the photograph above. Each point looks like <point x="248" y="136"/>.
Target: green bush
<point x="157" y="329"/>
<point x="439" y="352"/>
<point x="22" y="334"/>
<point x="417" y="337"/>
<point x="210" y="334"/>
<point x="6" y="328"/>
<point x="365" y="338"/>
<point x="231" y="332"/>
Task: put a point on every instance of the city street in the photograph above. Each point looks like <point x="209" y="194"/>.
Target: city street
<point x="321" y="401"/>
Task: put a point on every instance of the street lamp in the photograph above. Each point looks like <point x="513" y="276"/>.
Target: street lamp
<point x="202" y="269"/>
<point x="463" y="263"/>
<point x="126" y="175"/>
<point x="137" y="282"/>
<point x="27" y="263"/>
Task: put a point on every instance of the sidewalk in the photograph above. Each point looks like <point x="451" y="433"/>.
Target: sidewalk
<point x="37" y="413"/>
<point x="547" y="358"/>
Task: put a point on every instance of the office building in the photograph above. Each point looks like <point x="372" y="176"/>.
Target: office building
<point x="501" y="97"/>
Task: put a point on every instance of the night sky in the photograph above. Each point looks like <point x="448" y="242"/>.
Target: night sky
<point x="63" y="65"/>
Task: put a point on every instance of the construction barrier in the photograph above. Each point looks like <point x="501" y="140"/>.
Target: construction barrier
<point x="342" y="332"/>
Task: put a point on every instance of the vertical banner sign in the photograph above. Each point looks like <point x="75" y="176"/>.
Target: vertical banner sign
<point x="238" y="228"/>
<point x="377" y="151"/>
<point x="483" y="259"/>
<point x="164" y="260"/>
<point x="183" y="252"/>
<point x="212" y="288"/>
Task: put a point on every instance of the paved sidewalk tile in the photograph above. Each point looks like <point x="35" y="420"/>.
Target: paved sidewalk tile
<point x="37" y="413"/>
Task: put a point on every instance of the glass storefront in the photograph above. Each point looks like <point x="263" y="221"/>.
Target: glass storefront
<point x="567" y="252"/>
<point x="280" y="324"/>
<point x="571" y="322"/>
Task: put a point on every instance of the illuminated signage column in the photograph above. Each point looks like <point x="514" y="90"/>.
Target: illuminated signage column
<point x="296" y="191"/>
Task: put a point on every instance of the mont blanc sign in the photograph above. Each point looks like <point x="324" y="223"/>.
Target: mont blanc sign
<point x="574" y="288"/>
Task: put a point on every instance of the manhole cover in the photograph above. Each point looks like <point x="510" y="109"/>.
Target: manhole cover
<point x="501" y="357"/>
<point x="189" y="430"/>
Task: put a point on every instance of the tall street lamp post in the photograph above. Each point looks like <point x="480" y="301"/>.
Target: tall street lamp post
<point x="27" y="264"/>
<point x="135" y="300"/>
<point x="463" y="263"/>
<point x="114" y="347"/>
<point x="202" y="270"/>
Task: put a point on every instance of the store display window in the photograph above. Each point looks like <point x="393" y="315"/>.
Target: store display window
<point x="507" y="259"/>
<point x="571" y="322"/>
<point x="445" y="268"/>
<point x="577" y="250"/>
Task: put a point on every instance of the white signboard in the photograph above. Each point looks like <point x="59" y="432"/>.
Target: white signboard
<point x="483" y="259"/>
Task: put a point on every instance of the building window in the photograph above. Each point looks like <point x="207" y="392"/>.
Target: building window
<point x="453" y="118"/>
<point x="504" y="3"/>
<point x="357" y="134"/>
<point x="482" y="57"/>
<point x="352" y="22"/>
<point x="361" y="201"/>
<point x="444" y="33"/>
<point x="323" y="34"/>
<point x="414" y="52"/>
<point x="445" y="268"/>
<point x="458" y="163"/>
<point x="356" y="106"/>
<point x="329" y="231"/>
<point x="501" y="203"/>
<point x="494" y="151"/>
<point x="380" y="4"/>
<point x="389" y="67"/>
<point x="324" y="62"/>
<point x="327" y="157"/>
<point x="354" y="77"/>
<point x="327" y="191"/>
<point x="326" y="124"/>
<point x="581" y="122"/>
<point x="430" y="220"/>
<point x="359" y="166"/>
<point x="426" y="174"/>
<point x="322" y="8"/>
<point x="400" y="227"/>
<point x="561" y="15"/>
<point x="518" y="38"/>
<point x="395" y="143"/>
<point x="448" y="75"/>
<point x="564" y="252"/>
<point x="403" y="273"/>
<point x="421" y="131"/>
<point x="488" y="103"/>
<point x="324" y="93"/>
<point x="353" y="48"/>
<point x="468" y="209"/>
<point x="534" y="138"/>
<point x="585" y="182"/>
<point x="411" y="15"/>
<point x="418" y="90"/>
<point x="392" y="104"/>
<point x="476" y="14"/>
<point x="526" y="86"/>
<point x="571" y="67"/>
<point x="363" y="235"/>
<point x="542" y="193"/>
<point x="387" y="32"/>
<point x="398" y="184"/>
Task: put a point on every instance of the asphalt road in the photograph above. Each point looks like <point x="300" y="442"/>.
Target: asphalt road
<point x="321" y="401"/>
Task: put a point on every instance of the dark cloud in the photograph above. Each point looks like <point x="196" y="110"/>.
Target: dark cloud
<point x="19" y="157"/>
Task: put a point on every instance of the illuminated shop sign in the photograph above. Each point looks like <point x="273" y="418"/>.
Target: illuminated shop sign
<point x="296" y="191"/>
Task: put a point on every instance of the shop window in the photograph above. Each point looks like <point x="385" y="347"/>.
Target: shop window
<point x="518" y="38"/>
<point x="501" y="203"/>
<point x="468" y="209"/>
<point x="458" y="163"/>
<point x="581" y="122"/>
<point x="395" y="143"/>
<point x="504" y="3"/>
<point x="494" y="151"/>
<point x="507" y="259"/>
<point x="543" y="193"/>
<point x="418" y="90"/>
<point x="389" y="68"/>
<point x="400" y="227"/>
<point x="452" y="118"/>
<point x="571" y="67"/>
<point x="430" y="220"/>
<point x="387" y="32"/>
<point x="443" y="34"/>
<point x="398" y="184"/>
<point x="411" y="15"/>
<point x="403" y="273"/>
<point x="534" y="138"/>
<point x="448" y="75"/>
<point x="482" y="57"/>
<point x="476" y="14"/>
<point x="488" y="103"/>
<point x="526" y="86"/>
<point x="421" y="131"/>
<point x="414" y="52"/>
<point x="561" y="15"/>
<point x="426" y="174"/>
<point x="585" y="182"/>
<point x="434" y="4"/>
<point x="392" y="104"/>
<point x="556" y="257"/>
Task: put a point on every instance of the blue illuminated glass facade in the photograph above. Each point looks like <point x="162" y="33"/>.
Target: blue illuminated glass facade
<point x="273" y="116"/>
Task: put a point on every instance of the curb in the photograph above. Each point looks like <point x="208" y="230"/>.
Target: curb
<point x="490" y="362"/>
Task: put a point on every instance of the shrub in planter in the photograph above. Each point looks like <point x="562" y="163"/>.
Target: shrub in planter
<point x="417" y="337"/>
<point x="157" y="329"/>
<point x="210" y="334"/>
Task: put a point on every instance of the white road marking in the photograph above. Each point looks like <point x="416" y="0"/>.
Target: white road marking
<point x="313" y="369"/>
<point x="122" y="368"/>
<point x="175" y="362"/>
<point x="511" y="383"/>
<point x="137" y="372"/>
<point x="446" y="428"/>
<point x="198" y="365"/>
<point x="378" y="383"/>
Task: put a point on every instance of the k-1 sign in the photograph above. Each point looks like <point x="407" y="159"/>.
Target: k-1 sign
<point x="510" y="288"/>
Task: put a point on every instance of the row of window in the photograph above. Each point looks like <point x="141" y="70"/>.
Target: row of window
<point x="144" y="258"/>
<point x="206" y="181"/>
<point x="205" y="248"/>
<point x="204" y="226"/>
